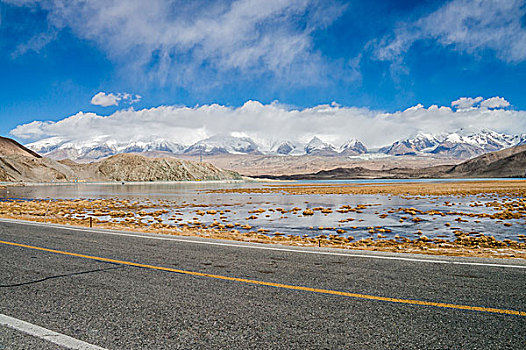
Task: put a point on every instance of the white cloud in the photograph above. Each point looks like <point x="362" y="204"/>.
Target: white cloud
<point x="173" y="41"/>
<point x="273" y="122"/>
<point x="466" y="25"/>
<point x="495" y="102"/>
<point x="103" y="99"/>
<point x="466" y="102"/>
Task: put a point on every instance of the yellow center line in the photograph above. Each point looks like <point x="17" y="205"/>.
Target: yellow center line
<point x="278" y="285"/>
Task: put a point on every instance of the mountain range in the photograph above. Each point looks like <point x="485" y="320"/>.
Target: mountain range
<point x="19" y="164"/>
<point x="509" y="163"/>
<point x="458" y="145"/>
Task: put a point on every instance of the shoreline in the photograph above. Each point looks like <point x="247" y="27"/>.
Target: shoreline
<point x="246" y="179"/>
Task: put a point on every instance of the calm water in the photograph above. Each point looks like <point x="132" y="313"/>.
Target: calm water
<point x="189" y="195"/>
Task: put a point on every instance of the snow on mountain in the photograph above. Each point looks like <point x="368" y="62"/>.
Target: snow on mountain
<point x="92" y="149"/>
<point x="520" y="139"/>
<point x="46" y="145"/>
<point x="457" y="144"/>
<point x="60" y="148"/>
<point x="486" y="139"/>
<point x="286" y="148"/>
<point x="352" y="147"/>
<point x="419" y="143"/>
<point x="223" y="145"/>
<point x="156" y="145"/>
<point x="317" y="147"/>
<point x="471" y="145"/>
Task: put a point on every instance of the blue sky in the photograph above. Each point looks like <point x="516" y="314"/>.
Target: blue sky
<point x="382" y="56"/>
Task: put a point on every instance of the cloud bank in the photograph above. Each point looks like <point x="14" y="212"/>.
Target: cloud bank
<point x="275" y="122"/>
<point x="467" y="25"/>
<point x="105" y="100"/>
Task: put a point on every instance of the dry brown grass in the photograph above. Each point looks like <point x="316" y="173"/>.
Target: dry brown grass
<point x="511" y="187"/>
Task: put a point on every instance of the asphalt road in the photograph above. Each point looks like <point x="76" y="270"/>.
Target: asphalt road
<point x="116" y="305"/>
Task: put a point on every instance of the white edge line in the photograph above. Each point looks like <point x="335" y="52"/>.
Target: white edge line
<point x="258" y="246"/>
<point x="46" y="334"/>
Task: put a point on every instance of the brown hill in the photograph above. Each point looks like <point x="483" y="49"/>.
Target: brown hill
<point x="9" y="147"/>
<point x="18" y="163"/>
<point x="134" y="167"/>
<point x="33" y="169"/>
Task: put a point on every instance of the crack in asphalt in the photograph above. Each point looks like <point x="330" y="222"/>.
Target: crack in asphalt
<point x="61" y="276"/>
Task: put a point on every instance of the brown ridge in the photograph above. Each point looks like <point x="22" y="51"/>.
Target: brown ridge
<point x="14" y="145"/>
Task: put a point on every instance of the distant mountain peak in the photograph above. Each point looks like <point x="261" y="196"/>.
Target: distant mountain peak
<point x="316" y="142"/>
<point x="352" y="147"/>
<point x="223" y="145"/>
<point x="413" y="145"/>
<point x="317" y="147"/>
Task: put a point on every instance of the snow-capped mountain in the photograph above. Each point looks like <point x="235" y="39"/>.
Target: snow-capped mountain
<point x="352" y="147"/>
<point x="317" y="147"/>
<point x="60" y="148"/>
<point x="287" y="148"/>
<point x="284" y="148"/>
<point x="223" y="145"/>
<point x="47" y="145"/>
<point x="457" y="144"/>
<point x="420" y="142"/>
<point x="156" y="145"/>
<point x="471" y="145"/>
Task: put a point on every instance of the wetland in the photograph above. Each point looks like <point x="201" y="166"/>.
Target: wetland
<point x="454" y="217"/>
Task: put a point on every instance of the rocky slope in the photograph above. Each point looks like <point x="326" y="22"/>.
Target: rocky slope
<point x="32" y="169"/>
<point x="18" y="163"/>
<point x="9" y="147"/>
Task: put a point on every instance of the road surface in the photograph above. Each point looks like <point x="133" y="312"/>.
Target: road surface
<point x="93" y="289"/>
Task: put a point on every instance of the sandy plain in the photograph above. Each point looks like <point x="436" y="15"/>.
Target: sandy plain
<point x="256" y="165"/>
